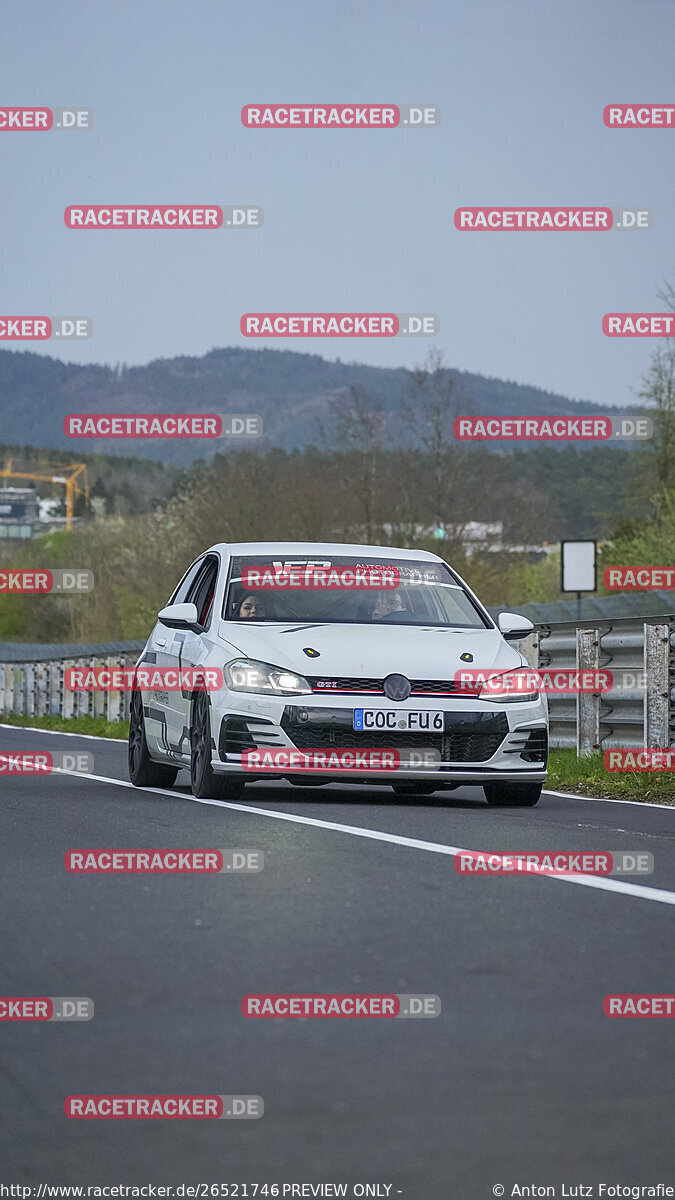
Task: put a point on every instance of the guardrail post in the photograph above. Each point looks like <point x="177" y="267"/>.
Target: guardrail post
<point x="588" y="706"/>
<point x="82" y="697"/>
<point x="657" y="686"/>
<point x="113" y="696"/>
<point x="529" y="648"/>
<point x="98" y="698"/>
<point x="29" y="708"/>
<point x="41" y="673"/>
<point x="8" y="702"/>
<point x="127" y="662"/>
<point x="68" y="702"/>
<point x="54" y="690"/>
<point x="20" y="690"/>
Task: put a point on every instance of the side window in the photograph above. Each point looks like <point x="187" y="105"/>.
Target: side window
<point x="202" y="589"/>
<point x="180" y="594"/>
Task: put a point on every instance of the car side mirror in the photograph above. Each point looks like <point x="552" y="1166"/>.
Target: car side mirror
<point x="513" y="627"/>
<point x="180" y="616"/>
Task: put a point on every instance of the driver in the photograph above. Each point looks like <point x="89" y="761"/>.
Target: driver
<point x="387" y="602"/>
<point x="252" y="607"/>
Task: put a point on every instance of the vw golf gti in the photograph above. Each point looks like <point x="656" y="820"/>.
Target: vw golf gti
<point x="319" y="663"/>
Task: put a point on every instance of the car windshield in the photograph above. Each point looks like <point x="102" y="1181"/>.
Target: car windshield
<point x="346" y="589"/>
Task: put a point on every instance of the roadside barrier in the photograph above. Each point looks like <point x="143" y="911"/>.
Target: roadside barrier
<point x="35" y="686"/>
<point x="638" y="710"/>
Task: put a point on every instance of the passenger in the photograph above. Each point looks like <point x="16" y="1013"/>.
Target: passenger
<point x="251" y="607"/>
<point x="387" y="602"/>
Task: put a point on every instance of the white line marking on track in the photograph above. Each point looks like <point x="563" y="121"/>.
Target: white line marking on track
<point x="593" y="881"/>
<point x="610" y="800"/>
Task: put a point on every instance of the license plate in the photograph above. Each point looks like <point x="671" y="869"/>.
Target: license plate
<point x="393" y="720"/>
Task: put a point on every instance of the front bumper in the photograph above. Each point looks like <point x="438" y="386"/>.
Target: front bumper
<point x="481" y="741"/>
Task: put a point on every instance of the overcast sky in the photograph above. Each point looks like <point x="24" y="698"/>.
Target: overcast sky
<point x="356" y="220"/>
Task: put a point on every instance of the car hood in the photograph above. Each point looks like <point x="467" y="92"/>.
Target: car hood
<point x="372" y="651"/>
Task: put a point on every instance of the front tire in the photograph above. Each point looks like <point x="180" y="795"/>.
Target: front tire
<point x="143" y="772"/>
<point x="512" y="795"/>
<point x="206" y="785"/>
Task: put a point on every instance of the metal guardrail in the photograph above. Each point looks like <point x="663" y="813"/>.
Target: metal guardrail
<point x="638" y="711"/>
<point x="23" y="652"/>
<point x="36" y="689"/>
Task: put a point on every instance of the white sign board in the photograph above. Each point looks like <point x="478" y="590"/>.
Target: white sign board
<point x="578" y="567"/>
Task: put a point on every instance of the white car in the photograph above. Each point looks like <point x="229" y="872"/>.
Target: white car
<point x="339" y="663"/>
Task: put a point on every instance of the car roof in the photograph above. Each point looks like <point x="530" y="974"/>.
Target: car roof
<point x="340" y="548"/>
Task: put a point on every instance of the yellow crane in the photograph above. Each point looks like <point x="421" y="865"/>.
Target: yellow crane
<point x="74" y="477"/>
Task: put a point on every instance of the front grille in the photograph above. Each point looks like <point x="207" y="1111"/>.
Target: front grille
<point x="468" y="737"/>
<point x="343" y="683"/>
<point x="354" y="684"/>
<point x="431" y="687"/>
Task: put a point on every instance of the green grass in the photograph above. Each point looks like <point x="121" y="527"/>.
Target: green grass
<point x="588" y="777"/>
<point x="566" y="772"/>
<point x="96" y="726"/>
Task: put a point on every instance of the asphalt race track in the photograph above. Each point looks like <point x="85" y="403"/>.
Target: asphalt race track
<point x="521" y="1079"/>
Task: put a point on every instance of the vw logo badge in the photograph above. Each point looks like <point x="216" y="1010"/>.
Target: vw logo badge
<point x="397" y="687"/>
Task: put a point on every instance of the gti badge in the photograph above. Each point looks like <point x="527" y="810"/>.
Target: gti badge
<point x="466" y="657"/>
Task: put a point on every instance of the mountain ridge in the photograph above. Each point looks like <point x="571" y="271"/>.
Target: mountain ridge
<point x="294" y="392"/>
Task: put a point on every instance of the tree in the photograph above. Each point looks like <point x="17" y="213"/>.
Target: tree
<point x="658" y="391"/>
<point x="360" y="424"/>
<point x="429" y="412"/>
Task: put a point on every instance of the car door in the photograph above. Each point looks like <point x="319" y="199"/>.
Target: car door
<point x="187" y="649"/>
<point x="161" y="719"/>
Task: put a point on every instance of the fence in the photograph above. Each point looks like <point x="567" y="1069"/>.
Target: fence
<point x="638" y="711"/>
<point x="32" y="680"/>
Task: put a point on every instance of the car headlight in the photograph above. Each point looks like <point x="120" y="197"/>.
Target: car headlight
<point x="247" y="675"/>
<point x="511" y="687"/>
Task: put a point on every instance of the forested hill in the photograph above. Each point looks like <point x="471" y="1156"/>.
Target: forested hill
<point x="294" y="393"/>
